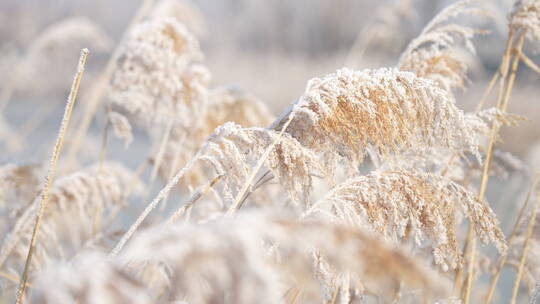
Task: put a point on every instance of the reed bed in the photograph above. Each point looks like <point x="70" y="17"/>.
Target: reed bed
<point x="369" y="188"/>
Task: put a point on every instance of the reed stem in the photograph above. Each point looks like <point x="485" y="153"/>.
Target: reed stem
<point x="52" y="171"/>
<point x="530" y="227"/>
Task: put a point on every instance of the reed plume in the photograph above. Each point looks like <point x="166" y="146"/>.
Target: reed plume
<point x="225" y="104"/>
<point x="386" y="110"/>
<point x="433" y="53"/>
<point x="76" y="201"/>
<point x="229" y="259"/>
<point x="412" y="205"/>
<point x="365" y="182"/>
<point x="89" y="279"/>
<point x="525" y="17"/>
<point x="233" y="150"/>
<point x="158" y="79"/>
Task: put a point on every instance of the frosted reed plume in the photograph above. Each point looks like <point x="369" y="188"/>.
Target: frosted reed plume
<point x="389" y="111"/>
<point x="338" y="118"/>
<point x="157" y="79"/>
<point x="249" y="258"/>
<point x="161" y="85"/>
<point x="441" y="160"/>
<point x="236" y="105"/>
<point x="433" y="53"/>
<point x="402" y="205"/>
<point x="232" y="151"/>
<point x="76" y="201"/>
<point x="224" y="105"/>
<point x="525" y="16"/>
<point x="89" y="279"/>
<point x="275" y="210"/>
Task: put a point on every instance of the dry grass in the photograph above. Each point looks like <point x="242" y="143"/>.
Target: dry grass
<point x="370" y="188"/>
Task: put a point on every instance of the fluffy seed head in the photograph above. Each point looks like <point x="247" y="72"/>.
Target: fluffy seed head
<point x="389" y="111"/>
<point x="402" y="205"/>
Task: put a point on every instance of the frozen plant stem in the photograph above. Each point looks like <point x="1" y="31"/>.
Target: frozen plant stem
<point x="530" y="228"/>
<point x="161" y="195"/>
<point x="193" y="199"/>
<point x="491" y="84"/>
<point x="503" y="258"/>
<point x="503" y="98"/>
<point x="52" y="171"/>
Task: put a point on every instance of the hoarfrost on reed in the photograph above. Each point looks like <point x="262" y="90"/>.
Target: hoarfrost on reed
<point x="89" y="279"/>
<point x="158" y="78"/>
<point x="389" y="111"/>
<point x="525" y="16"/>
<point x="78" y="202"/>
<point x="402" y="205"/>
<point x="273" y="210"/>
<point x="253" y="257"/>
<point x="433" y="53"/>
<point x="531" y="270"/>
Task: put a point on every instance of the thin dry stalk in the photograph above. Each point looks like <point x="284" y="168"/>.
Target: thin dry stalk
<point x="161" y="195"/>
<point x="491" y="84"/>
<point x="502" y="104"/>
<point x="528" y="61"/>
<point x="11" y="277"/>
<point x="503" y="258"/>
<point x="513" y="72"/>
<point x="52" y="170"/>
<point x="530" y="228"/>
<point x="193" y="199"/>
